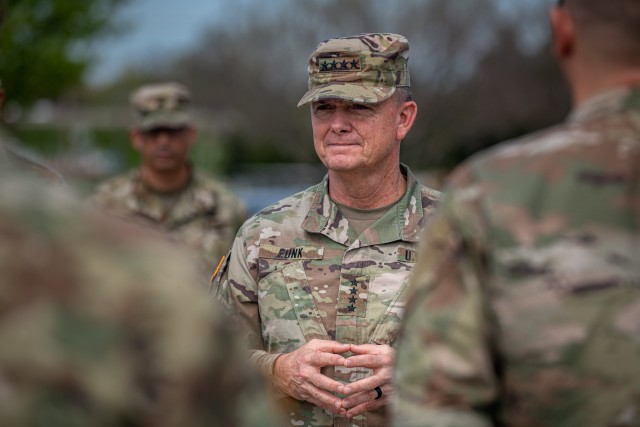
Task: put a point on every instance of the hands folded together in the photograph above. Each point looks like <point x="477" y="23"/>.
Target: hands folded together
<point x="298" y="375"/>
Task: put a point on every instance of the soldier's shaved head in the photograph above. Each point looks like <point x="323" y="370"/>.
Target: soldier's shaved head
<point x="610" y="29"/>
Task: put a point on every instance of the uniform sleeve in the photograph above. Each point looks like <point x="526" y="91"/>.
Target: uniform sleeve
<point x="445" y="370"/>
<point x="237" y="289"/>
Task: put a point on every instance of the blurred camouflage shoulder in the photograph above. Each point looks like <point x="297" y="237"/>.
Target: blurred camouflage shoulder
<point x="532" y="262"/>
<point x="231" y="209"/>
<point x="101" y="324"/>
<point x="13" y="155"/>
<point x="204" y="216"/>
<point x="120" y="189"/>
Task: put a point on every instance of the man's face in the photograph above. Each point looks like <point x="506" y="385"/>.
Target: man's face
<point x="164" y="149"/>
<point x="350" y="136"/>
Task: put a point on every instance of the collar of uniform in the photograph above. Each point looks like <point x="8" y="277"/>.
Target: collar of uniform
<point x="612" y="101"/>
<point x="323" y="217"/>
<point x="402" y="222"/>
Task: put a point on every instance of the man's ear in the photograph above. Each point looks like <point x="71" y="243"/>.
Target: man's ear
<point x="563" y="30"/>
<point x="192" y="135"/>
<point x="136" y="139"/>
<point x="407" y="114"/>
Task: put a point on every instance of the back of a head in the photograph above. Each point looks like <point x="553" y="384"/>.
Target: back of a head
<point x="103" y="325"/>
<point x="609" y="28"/>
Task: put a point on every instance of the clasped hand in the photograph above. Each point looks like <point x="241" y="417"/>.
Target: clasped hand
<point x="298" y="375"/>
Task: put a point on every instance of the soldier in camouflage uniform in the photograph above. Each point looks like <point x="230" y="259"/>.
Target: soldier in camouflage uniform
<point x="101" y="325"/>
<point x="166" y="192"/>
<point x="317" y="279"/>
<point x="525" y="301"/>
<point x="11" y="154"/>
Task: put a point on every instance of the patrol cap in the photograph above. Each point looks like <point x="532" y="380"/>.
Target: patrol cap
<point x="364" y="68"/>
<point x="161" y="105"/>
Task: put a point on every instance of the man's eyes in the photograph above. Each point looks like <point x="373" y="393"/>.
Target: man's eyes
<point x="325" y="109"/>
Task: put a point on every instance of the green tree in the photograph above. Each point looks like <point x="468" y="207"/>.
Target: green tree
<point x="43" y="50"/>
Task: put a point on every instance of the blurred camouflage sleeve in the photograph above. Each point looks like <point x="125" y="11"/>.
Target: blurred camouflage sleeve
<point x="236" y="288"/>
<point x="204" y="218"/>
<point x="454" y="382"/>
<point x="12" y="156"/>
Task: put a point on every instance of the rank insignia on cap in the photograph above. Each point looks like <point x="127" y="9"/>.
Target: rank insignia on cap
<point x="365" y="68"/>
<point x="333" y="64"/>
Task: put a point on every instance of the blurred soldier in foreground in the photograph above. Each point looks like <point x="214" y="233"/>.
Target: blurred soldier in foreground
<point x="102" y="325"/>
<point x="10" y="154"/>
<point x="317" y="279"/>
<point x="166" y="192"/>
<point x="525" y="304"/>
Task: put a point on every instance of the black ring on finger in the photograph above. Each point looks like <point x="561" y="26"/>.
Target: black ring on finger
<point x="378" y="390"/>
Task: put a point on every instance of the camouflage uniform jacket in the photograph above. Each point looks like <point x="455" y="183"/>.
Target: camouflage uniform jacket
<point x="205" y="217"/>
<point x="525" y="301"/>
<point x="101" y="325"/>
<point x="297" y="271"/>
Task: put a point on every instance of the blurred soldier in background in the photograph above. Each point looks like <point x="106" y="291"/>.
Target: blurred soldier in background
<point x="525" y="303"/>
<point x="166" y="192"/>
<point x="101" y="325"/>
<point x="12" y="154"/>
<point x="317" y="278"/>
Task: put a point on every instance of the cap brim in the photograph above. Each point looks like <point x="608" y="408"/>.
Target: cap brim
<point x="348" y="92"/>
<point x="164" y="120"/>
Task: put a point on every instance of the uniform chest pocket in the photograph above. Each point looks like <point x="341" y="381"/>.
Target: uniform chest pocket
<point x="285" y="298"/>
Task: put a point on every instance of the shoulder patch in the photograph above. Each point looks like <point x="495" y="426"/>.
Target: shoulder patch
<point x="220" y="269"/>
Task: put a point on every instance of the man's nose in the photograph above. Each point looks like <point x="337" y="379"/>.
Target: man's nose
<point x="340" y="121"/>
<point x="163" y="137"/>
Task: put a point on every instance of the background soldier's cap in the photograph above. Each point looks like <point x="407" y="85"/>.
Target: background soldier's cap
<point x="365" y="68"/>
<point x="161" y="105"/>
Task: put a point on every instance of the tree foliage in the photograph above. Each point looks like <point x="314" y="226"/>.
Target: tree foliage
<point x="43" y="49"/>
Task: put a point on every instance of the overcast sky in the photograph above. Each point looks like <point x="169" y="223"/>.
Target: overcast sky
<point x="155" y="28"/>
